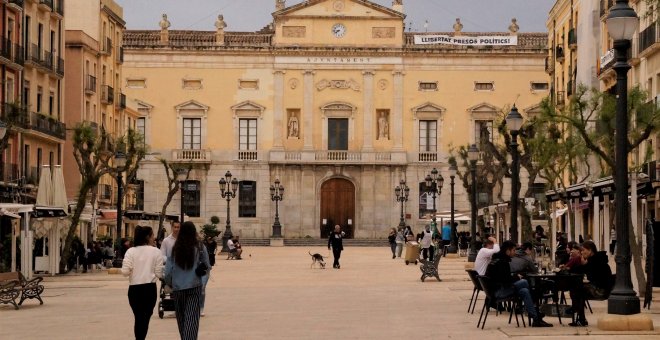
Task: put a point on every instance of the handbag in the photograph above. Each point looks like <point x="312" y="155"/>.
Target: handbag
<point x="202" y="268"/>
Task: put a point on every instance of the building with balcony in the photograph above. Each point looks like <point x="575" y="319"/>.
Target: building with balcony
<point x="332" y="98"/>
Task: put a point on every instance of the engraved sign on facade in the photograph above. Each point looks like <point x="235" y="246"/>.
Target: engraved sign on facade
<point x="338" y="84"/>
<point x="294" y="31"/>
<point x="383" y="32"/>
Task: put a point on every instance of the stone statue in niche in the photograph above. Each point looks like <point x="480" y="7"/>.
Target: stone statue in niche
<point x="383" y="127"/>
<point x="293" y="126"/>
<point x="164" y="23"/>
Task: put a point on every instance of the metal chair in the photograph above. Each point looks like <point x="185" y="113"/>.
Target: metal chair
<point x="474" y="277"/>
<point x="513" y="300"/>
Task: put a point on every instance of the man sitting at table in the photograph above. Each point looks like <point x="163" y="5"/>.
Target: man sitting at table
<point x="522" y="262"/>
<point x="597" y="269"/>
<point x="499" y="271"/>
<point x="485" y="254"/>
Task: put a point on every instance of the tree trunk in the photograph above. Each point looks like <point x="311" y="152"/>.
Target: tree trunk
<point x="161" y="218"/>
<point x="67" y="252"/>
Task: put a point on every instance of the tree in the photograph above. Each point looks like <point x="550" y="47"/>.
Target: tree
<point x="92" y="151"/>
<point x="211" y="230"/>
<point x="173" y="186"/>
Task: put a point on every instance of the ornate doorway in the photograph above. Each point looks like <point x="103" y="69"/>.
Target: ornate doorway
<point x="337" y="206"/>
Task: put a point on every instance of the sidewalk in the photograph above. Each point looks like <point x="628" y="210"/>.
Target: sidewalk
<point x="273" y="294"/>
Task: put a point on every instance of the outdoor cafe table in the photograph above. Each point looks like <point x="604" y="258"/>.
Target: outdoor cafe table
<point x="555" y="283"/>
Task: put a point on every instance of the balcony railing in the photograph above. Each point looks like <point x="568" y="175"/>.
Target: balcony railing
<point x="90" y="84"/>
<point x="47" y="125"/>
<point x="17" y="115"/>
<point x="9" y="173"/>
<point x="107" y="46"/>
<point x="121" y="103"/>
<point x="559" y="53"/>
<point x="34" y="54"/>
<point x="19" y="3"/>
<point x="58" y="7"/>
<point x="11" y="51"/>
<point x="424" y="157"/>
<point x="107" y="94"/>
<point x="192" y="155"/>
<point x="60" y="67"/>
<point x="572" y="39"/>
<point x="248" y="156"/>
<point x="48" y="60"/>
<point x="648" y="37"/>
<point x="120" y="55"/>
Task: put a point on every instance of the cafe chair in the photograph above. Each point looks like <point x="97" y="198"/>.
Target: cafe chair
<point x="474" y="277"/>
<point x="513" y="299"/>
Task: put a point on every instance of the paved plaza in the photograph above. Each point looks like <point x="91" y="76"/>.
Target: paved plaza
<point x="273" y="294"/>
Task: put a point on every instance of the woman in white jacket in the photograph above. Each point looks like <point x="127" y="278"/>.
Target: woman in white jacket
<point x="143" y="264"/>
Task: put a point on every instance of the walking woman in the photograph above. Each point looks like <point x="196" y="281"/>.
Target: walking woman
<point x="183" y="272"/>
<point x="143" y="264"/>
<point x="335" y="242"/>
<point x="392" y="239"/>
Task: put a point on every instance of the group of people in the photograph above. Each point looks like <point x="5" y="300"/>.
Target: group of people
<point x="184" y="262"/>
<point x="507" y="266"/>
<point x="95" y="255"/>
<point x="429" y="240"/>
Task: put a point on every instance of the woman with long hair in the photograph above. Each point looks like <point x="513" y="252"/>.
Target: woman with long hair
<point x="182" y="274"/>
<point x="595" y="266"/>
<point x="143" y="264"/>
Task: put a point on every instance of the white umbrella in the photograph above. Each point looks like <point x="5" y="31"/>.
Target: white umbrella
<point x="59" y="190"/>
<point x="44" y="192"/>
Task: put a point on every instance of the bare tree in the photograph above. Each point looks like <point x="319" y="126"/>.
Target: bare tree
<point x="173" y="186"/>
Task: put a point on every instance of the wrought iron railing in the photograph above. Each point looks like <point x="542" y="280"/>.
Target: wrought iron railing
<point x="648" y="37"/>
<point x="90" y="83"/>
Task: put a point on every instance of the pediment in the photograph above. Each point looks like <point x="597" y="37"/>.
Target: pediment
<point x="191" y="105"/>
<point x="534" y="109"/>
<point x="350" y="8"/>
<point x="338" y="106"/>
<point x="484" y="108"/>
<point x="143" y="107"/>
<point x="248" y="106"/>
<point x="429" y="107"/>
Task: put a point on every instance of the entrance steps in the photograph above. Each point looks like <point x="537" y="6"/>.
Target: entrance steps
<point x="309" y="242"/>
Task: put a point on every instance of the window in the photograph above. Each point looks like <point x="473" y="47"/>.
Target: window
<point x="425" y="202"/>
<point x="484" y="86"/>
<point x="428" y="86"/>
<point x="192" y="133"/>
<point x="141" y="126"/>
<point x="51" y="103"/>
<point x="88" y="116"/>
<point x="191" y="198"/>
<point x="9" y="95"/>
<point x="26" y="93"/>
<point x="39" y="98"/>
<point x="483" y="131"/>
<point x="540" y="86"/>
<point x="26" y="31"/>
<point x="428" y="135"/>
<point x="247" y="199"/>
<point x="337" y="134"/>
<point x="247" y="134"/>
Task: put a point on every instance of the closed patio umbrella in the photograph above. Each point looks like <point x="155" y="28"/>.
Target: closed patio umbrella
<point x="44" y="191"/>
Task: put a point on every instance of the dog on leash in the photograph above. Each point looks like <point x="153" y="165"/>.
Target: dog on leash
<point x="317" y="258"/>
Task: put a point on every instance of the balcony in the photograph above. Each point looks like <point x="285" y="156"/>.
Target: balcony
<point x="16" y="114"/>
<point x="549" y="65"/>
<point x="90" y="84"/>
<point x="17" y="4"/>
<point x="248" y="156"/>
<point x="427" y="157"/>
<point x="121" y="103"/>
<point x="572" y="39"/>
<point x="34" y="54"/>
<point x="58" y="8"/>
<point x="107" y="94"/>
<point x="9" y="173"/>
<point x="47" y="125"/>
<point x="10" y="51"/>
<point x="648" y="40"/>
<point x="334" y="157"/>
<point x="120" y="55"/>
<point x="191" y="155"/>
<point x="559" y="53"/>
<point x="48" y="60"/>
<point x="107" y="46"/>
<point x="60" y="67"/>
<point x="46" y="5"/>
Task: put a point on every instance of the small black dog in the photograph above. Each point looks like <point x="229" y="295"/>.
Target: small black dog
<point x="317" y="258"/>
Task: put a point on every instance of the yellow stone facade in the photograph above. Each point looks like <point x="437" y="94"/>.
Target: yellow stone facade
<point x="345" y="105"/>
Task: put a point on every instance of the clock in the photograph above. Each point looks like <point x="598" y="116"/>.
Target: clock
<point x="339" y="30"/>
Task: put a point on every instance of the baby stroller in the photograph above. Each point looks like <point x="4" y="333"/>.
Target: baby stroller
<point x="166" y="302"/>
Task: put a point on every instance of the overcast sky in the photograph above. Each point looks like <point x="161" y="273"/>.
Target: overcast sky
<point x="252" y="15"/>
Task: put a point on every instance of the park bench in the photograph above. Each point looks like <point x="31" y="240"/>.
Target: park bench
<point x="14" y="284"/>
<point x="430" y="268"/>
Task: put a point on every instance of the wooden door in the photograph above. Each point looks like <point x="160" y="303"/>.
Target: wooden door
<point x="337" y="206"/>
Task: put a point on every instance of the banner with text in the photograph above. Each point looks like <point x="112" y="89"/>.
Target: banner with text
<point x="498" y="40"/>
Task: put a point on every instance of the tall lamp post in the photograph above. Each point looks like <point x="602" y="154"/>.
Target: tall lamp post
<point x="434" y="182"/>
<point x="277" y="194"/>
<point x="120" y="163"/>
<point x="181" y="175"/>
<point x="621" y="25"/>
<point x="473" y="155"/>
<point x="514" y="121"/>
<point x="228" y="187"/>
<point x="402" y="191"/>
<point x="452" y="174"/>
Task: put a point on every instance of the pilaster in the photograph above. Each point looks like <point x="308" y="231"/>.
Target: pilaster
<point x="397" y="114"/>
<point x="368" y="78"/>
<point x="308" y="110"/>
<point x="278" y="110"/>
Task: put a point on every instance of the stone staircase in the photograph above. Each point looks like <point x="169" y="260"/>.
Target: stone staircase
<point x="309" y="242"/>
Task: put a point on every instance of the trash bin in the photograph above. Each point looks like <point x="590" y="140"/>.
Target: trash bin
<point x="412" y="252"/>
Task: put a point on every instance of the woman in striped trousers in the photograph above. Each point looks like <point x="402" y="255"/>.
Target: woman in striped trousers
<point x="180" y="274"/>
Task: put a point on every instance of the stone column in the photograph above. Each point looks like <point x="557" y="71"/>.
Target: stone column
<point x="368" y="128"/>
<point x="596" y="232"/>
<point x="308" y="110"/>
<point x="396" y="122"/>
<point x="278" y="110"/>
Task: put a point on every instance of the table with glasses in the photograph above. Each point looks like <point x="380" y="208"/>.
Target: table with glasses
<point x="552" y="285"/>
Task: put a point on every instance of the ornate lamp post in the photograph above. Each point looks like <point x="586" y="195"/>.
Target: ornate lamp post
<point x="434" y="182"/>
<point x="228" y="187"/>
<point x="453" y="247"/>
<point x="120" y="163"/>
<point x="277" y="194"/>
<point x="181" y="175"/>
<point x="402" y="191"/>
<point x="621" y="25"/>
<point x="513" y="122"/>
<point x="473" y="156"/>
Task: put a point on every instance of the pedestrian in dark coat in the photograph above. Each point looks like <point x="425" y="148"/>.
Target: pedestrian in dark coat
<point x="335" y="242"/>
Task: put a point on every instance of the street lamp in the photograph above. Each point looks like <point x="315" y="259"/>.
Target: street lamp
<point x="120" y="163"/>
<point x="514" y="122"/>
<point x="228" y="188"/>
<point x="181" y="175"/>
<point x="402" y="191"/>
<point x="434" y="182"/>
<point x="452" y="174"/>
<point x="277" y="194"/>
<point x="473" y="156"/>
<point x="621" y="25"/>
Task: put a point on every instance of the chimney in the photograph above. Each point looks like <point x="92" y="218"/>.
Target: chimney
<point x="280" y="5"/>
<point x="397" y="5"/>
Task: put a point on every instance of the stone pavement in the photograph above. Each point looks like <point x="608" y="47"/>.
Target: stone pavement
<point x="273" y="294"/>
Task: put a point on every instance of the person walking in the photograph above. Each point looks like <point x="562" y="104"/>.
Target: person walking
<point x="335" y="242"/>
<point x="183" y="272"/>
<point x="210" y="245"/>
<point x="446" y="237"/>
<point x="612" y="240"/>
<point x="143" y="264"/>
<point x="426" y="243"/>
<point x="392" y="239"/>
<point x="168" y="243"/>
<point x="400" y="240"/>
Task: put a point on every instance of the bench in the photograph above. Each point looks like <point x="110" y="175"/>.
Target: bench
<point x="14" y="284"/>
<point x="430" y="268"/>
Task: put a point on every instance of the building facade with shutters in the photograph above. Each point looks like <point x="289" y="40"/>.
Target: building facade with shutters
<point x="333" y="98"/>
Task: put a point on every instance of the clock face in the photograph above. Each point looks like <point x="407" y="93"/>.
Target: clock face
<point x="338" y="30"/>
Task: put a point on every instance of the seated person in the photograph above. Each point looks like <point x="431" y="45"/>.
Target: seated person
<point x="522" y="262"/>
<point x="597" y="269"/>
<point x="575" y="258"/>
<point x="504" y="284"/>
<point x="484" y="255"/>
<point x="234" y="248"/>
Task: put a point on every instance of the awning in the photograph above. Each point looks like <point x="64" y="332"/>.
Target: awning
<point x="40" y="212"/>
<point x="9" y="214"/>
<point x="558" y="212"/>
<point x="108" y="214"/>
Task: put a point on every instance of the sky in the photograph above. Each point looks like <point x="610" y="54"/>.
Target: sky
<point x="252" y="15"/>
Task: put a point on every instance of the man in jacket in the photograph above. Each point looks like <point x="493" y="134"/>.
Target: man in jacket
<point x="335" y="242"/>
<point x="522" y="262"/>
<point x="499" y="271"/>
